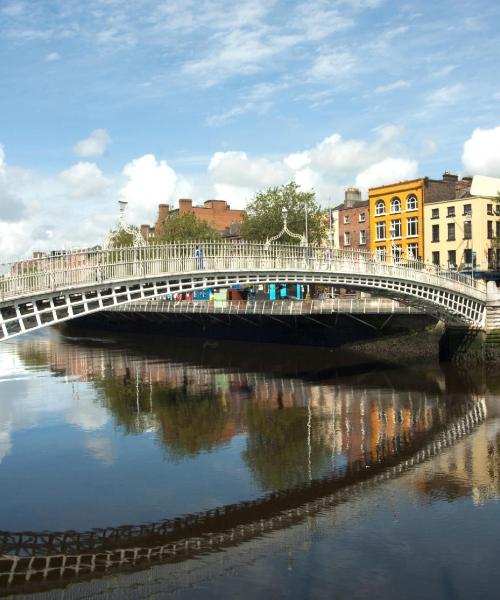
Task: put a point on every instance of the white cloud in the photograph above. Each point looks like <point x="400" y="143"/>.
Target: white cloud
<point x="333" y="66"/>
<point x="390" y="87"/>
<point x="14" y="9"/>
<point x="94" y="145"/>
<point x="12" y="209"/>
<point x="52" y="57"/>
<point x="446" y="96"/>
<point x="481" y="152"/>
<point x="149" y="182"/>
<point x="84" y="180"/>
<point x="387" y="171"/>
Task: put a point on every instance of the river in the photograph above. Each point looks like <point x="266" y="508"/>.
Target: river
<point x="144" y="467"/>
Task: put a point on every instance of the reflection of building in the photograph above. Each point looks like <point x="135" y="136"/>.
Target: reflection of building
<point x="217" y="213"/>
<point x="462" y="232"/>
<point x="396" y="214"/>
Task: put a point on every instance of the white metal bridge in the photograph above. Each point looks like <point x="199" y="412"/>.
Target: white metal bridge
<point x="43" y="291"/>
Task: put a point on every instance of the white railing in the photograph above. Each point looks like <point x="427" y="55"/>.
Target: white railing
<point x="270" y="307"/>
<point x="84" y="268"/>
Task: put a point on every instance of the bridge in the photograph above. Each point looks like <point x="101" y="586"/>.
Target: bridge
<point x="38" y="292"/>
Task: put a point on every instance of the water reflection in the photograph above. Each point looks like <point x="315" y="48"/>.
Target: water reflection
<point x="242" y="452"/>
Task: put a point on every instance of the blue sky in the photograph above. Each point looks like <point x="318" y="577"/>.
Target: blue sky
<point x="153" y="100"/>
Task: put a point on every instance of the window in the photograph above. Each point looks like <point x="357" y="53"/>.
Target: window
<point x="397" y="253"/>
<point x="491" y="258"/>
<point x="467" y="230"/>
<point x="362" y="237"/>
<point x="450" y="211"/>
<point x="435" y="233"/>
<point x="451" y="232"/>
<point x="489" y="209"/>
<point x="395" y="205"/>
<point x="380" y="207"/>
<point x="490" y="230"/>
<point x="381" y="253"/>
<point x="412" y="251"/>
<point x="347" y="219"/>
<point x="435" y="213"/>
<point x="469" y="258"/>
<point x="435" y="259"/>
<point x="347" y="238"/>
<point x="452" y="259"/>
<point x="395" y="229"/>
<point x="412" y="227"/>
<point x="467" y="210"/>
<point x="380" y="231"/>
<point x="362" y="217"/>
<point x="498" y="229"/>
<point x="498" y="258"/>
<point x="411" y="202"/>
<point x="497" y="210"/>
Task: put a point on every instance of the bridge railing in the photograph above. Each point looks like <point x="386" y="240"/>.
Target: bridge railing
<point x="66" y="270"/>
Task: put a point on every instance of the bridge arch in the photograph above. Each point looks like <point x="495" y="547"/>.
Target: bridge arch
<point x="41" y="292"/>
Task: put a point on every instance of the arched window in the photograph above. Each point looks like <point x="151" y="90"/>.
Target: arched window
<point x="380" y="207"/>
<point x="395" y="205"/>
<point x="411" y="202"/>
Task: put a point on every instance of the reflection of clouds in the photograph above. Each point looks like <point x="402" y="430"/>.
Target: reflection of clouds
<point x="101" y="448"/>
<point x="86" y="415"/>
<point x="5" y="444"/>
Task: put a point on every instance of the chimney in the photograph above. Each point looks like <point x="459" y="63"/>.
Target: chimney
<point x="163" y="210"/>
<point x="145" y="231"/>
<point x="352" y="195"/>
<point x="449" y="177"/>
<point x="185" y="204"/>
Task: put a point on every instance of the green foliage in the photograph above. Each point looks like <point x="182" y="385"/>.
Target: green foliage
<point x="123" y="239"/>
<point x="186" y="228"/>
<point x="265" y="218"/>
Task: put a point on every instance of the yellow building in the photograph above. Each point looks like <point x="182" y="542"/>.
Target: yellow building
<point x="463" y="233"/>
<point x="397" y="213"/>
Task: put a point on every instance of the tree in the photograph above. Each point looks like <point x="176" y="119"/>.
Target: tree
<point x="185" y="228"/>
<point x="265" y="218"/>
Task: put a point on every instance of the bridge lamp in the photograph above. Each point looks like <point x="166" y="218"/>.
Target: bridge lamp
<point x="284" y="213"/>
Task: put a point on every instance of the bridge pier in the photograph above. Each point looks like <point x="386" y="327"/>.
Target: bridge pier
<point x="474" y="345"/>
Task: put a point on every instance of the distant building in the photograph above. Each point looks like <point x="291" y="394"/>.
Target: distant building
<point x="217" y="213"/>
<point x="397" y="213"/>
<point x="464" y="232"/>
<point x="352" y="222"/>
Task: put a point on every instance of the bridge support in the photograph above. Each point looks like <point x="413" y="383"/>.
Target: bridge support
<point x="474" y="345"/>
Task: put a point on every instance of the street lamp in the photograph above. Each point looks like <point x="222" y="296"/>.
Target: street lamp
<point x="285" y="230"/>
<point x="137" y="240"/>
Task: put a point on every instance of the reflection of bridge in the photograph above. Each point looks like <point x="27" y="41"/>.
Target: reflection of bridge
<point x="32" y="560"/>
<point x="40" y="292"/>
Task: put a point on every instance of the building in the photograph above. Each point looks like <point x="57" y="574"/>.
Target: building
<point x="463" y="233"/>
<point x="352" y="223"/>
<point x="396" y="213"/>
<point x="217" y="213"/>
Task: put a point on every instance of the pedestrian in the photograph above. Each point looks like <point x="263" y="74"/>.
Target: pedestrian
<point x="199" y="258"/>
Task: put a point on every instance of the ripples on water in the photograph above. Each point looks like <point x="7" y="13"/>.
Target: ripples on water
<point x="308" y="468"/>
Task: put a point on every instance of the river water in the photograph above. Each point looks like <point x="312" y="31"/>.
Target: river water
<point x="139" y="467"/>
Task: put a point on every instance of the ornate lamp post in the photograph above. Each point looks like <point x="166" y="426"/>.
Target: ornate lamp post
<point x="285" y="230"/>
<point x="137" y="240"/>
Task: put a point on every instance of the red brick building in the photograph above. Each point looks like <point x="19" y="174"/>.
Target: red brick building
<point x="217" y="213"/>
<point x="353" y="221"/>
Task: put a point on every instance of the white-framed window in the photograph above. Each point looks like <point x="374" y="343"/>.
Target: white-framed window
<point x="395" y="229"/>
<point x="380" y="231"/>
<point x="380" y="207"/>
<point x="362" y="237"/>
<point x="362" y="217"/>
<point x="411" y="202"/>
<point x="412" y="227"/>
<point x="347" y="238"/>
<point x="412" y="251"/>
<point x="395" y="205"/>
<point x="347" y="219"/>
<point x="381" y="253"/>
<point x="397" y="253"/>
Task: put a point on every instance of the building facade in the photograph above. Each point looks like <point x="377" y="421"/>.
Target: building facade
<point x="396" y="214"/>
<point x="217" y="213"/>
<point x="352" y="222"/>
<point x="463" y="233"/>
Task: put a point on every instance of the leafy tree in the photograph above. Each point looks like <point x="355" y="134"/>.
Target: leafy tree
<point x="185" y="228"/>
<point x="265" y="217"/>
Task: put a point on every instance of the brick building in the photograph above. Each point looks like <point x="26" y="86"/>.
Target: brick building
<point x="353" y="221"/>
<point x="217" y="213"/>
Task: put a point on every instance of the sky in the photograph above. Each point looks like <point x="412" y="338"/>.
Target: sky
<point x="154" y="100"/>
